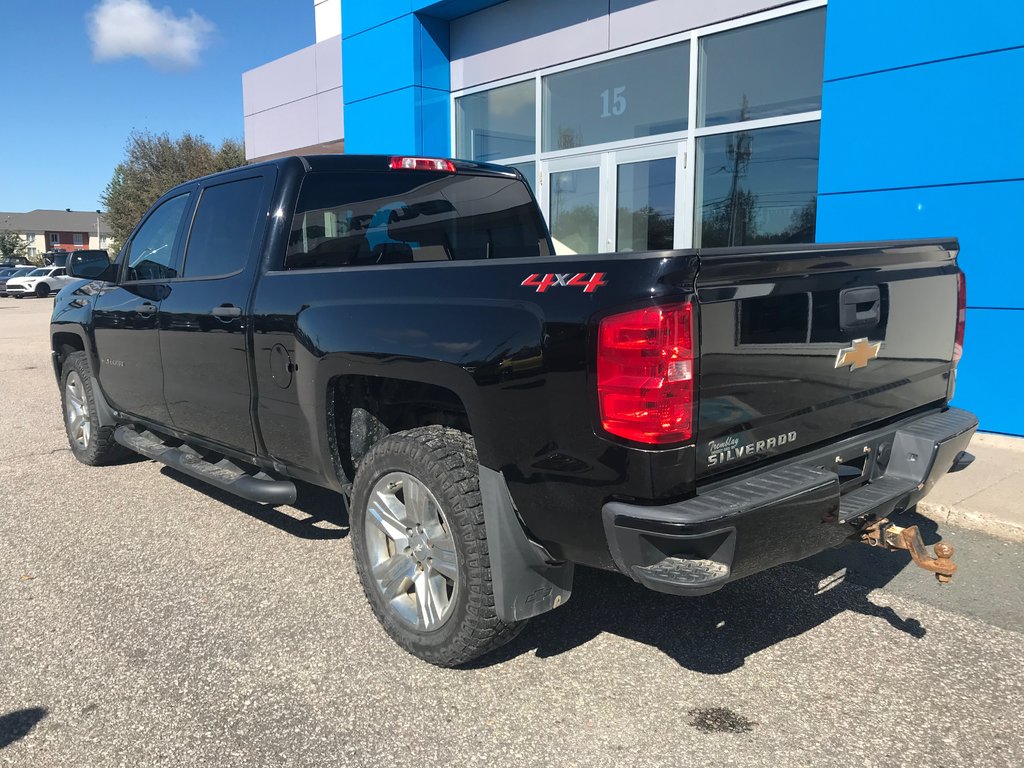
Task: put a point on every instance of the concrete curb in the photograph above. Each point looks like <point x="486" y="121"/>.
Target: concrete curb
<point x="973" y="520"/>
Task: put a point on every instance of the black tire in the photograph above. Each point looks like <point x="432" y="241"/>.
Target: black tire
<point x="42" y="290"/>
<point x="445" y="462"/>
<point x="100" y="448"/>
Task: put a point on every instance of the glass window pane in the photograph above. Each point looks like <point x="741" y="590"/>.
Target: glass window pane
<point x="497" y="123"/>
<point x="574" y="210"/>
<point x="646" y="206"/>
<point x="529" y="171"/>
<point x="757" y="187"/>
<point x="764" y="70"/>
<point x="224" y="227"/>
<point x="644" y="94"/>
<point x="152" y="248"/>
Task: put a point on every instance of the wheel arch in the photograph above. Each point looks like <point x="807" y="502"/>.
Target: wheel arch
<point x="363" y="409"/>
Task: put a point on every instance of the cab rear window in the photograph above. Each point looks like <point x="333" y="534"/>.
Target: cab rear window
<point x="349" y="219"/>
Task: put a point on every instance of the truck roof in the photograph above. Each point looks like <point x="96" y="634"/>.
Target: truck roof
<point x="361" y="163"/>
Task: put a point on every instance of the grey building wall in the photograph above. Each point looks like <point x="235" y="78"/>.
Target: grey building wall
<point x="295" y="103"/>
<point x="521" y="36"/>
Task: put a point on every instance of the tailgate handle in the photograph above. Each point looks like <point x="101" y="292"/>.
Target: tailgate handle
<point x="860" y="307"/>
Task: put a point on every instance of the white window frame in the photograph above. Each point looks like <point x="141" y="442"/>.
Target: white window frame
<point x="687" y="139"/>
<point x="78" y="238"/>
<point x="55" y="238"/>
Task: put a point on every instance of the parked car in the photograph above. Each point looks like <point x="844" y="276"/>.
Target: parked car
<point x="15" y="261"/>
<point x="495" y="413"/>
<point x="41" y="282"/>
<point x="14" y="272"/>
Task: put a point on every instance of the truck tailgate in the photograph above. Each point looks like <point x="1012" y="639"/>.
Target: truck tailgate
<point x="805" y="346"/>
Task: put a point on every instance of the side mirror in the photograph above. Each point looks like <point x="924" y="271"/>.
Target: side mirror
<point x="90" y="265"/>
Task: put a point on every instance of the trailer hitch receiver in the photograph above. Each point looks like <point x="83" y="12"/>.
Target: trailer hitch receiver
<point x="883" y="533"/>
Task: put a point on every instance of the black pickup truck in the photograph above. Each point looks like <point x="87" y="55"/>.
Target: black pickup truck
<point x="400" y="330"/>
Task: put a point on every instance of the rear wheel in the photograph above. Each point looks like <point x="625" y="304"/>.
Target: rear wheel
<point x="421" y="548"/>
<point x="91" y="443"/>
<point x="42" y="290"/>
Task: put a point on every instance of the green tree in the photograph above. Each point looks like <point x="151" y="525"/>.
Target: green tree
<point x="155" y="163"/>
<point x="11" y="244"/>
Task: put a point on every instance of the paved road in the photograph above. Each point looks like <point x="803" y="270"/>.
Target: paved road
<point x="147" y="621"/>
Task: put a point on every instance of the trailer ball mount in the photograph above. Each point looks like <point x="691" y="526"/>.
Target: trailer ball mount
<point x="883" y="533"/>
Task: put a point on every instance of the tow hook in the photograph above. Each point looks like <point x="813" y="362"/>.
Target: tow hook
<point x="883" y="533"/>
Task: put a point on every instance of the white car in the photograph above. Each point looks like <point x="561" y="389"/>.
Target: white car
<point x="39" y="282"/>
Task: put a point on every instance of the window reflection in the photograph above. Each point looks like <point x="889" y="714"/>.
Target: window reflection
<point x="763" y="70"/>
<point x="497" y="123"/>
<point x="758" y="187"/>
<point x="645" y="216"/>
<point x="574" y="210"/>
<point x="643" y="94"/>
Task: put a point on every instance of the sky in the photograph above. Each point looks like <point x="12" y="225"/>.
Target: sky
<point x="80" y="75"/>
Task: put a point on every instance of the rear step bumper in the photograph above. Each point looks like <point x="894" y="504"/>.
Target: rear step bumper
<point x="223" y="474"/>
<point x="785" y="513"/>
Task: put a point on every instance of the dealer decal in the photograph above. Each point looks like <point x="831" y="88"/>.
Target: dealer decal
<point x="729" y="449"/>
<point x="588" y="282"/>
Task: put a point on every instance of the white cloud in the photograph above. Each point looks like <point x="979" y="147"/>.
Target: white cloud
<point x="123" y="28"/>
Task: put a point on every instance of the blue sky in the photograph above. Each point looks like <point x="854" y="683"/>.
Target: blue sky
<point x="79" y="81"/>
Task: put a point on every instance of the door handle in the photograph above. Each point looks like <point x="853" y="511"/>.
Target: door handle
<point x="860" y="308"/>
<point x="146" y="309"/>
<point x="227" y="311"/>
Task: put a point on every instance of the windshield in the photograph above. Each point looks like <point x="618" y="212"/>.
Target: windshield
<point x="37" y="272"/>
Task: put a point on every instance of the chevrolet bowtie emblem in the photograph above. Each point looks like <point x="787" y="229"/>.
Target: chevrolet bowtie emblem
<point x="858" y="355"/>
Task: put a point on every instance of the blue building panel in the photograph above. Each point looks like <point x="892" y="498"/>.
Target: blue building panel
<point x="981" y="216"/>
<point x="918" y="139"/>
<point x="989" y="379"/>
<point x="357" y="16"/>
<point x="411" y="121"/>
<point x="871" y="35"/>
<point x="940" y="123"/>
<point x="380" y="60"/>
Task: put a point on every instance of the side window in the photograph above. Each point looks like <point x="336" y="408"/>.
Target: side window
<point x="151" y="252"/>
<point x="224" y="228"/>
<point x="59" y="273"/>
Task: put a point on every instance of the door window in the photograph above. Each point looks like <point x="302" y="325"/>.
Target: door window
<point x="151" y="253"/>
<point x="645" y="209"/>
<point x="226" y="223"/>
<point x="575" y="210"/>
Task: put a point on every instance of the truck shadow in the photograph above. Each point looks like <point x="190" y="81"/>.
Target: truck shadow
<point x="16" y="725"/>
<point x="316" y="514"/>
<point x="716" y="633"/>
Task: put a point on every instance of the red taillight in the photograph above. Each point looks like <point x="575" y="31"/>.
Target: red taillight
<point x="961" y="316"/>
<point x="422" y="164"/>
<point x="645" y="374"/>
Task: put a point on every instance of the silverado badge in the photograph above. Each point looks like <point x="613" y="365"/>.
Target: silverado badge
<point x="858" y="355"/>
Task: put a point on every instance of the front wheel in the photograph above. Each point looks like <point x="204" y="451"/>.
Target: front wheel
<point x="91" y="443"/>
<point x="42" y="290"/>
<point x="420" y="546"/>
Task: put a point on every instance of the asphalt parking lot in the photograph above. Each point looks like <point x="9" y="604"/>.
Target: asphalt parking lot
<point x="146" y="620"/>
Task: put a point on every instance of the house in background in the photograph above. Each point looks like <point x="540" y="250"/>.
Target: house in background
<point x="48" y="230"/>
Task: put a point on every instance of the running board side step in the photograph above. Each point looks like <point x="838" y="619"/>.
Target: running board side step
<point x="226" y="475"/>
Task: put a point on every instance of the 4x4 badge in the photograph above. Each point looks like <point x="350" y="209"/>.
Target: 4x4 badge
<point x="589" y="283"/>
<point x="858" y="355"/>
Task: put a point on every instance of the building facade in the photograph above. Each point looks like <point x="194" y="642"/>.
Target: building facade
<point x="648" y="124"/>
<point x="49" y="230"/>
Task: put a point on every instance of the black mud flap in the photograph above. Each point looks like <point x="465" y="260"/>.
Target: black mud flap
<point x="526" y="580"/>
